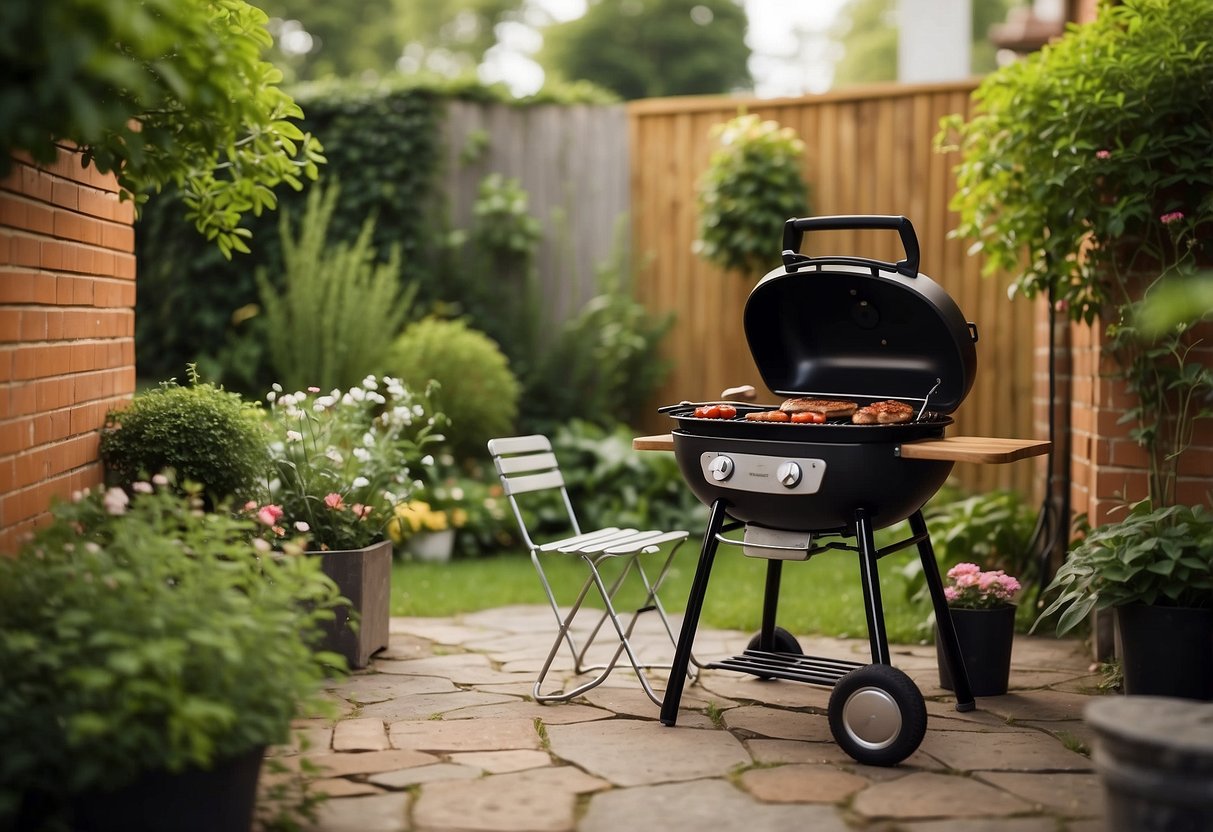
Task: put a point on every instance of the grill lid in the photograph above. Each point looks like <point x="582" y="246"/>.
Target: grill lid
<point x="850" y="326"/>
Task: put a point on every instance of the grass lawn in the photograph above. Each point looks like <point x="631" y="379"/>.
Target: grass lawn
<point x="822" y="596"/>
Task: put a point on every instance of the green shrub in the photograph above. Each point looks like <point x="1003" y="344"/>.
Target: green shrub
<point x="753" y="184"/>
<point x="204" y="433"/>
<point x="476" y="389"/>
<point x="338" y="310"/>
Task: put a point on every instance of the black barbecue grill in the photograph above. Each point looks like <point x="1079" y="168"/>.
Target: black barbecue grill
<point x="838" y="328"/>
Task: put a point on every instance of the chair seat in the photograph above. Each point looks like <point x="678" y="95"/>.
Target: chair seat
<point x="613" y="541"/>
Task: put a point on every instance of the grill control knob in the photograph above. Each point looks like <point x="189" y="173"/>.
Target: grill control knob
<point x="721" y="468"/>
<point x="788" y="474"/>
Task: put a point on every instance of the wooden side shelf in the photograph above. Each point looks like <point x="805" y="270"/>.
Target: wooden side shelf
<point x="981" y="449"/>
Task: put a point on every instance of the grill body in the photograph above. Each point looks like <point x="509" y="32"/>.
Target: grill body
<point x="867" y="476"/>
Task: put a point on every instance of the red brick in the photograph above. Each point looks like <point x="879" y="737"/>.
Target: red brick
<point x="6" y="365"/>
<point x="65" y="194"/>
<point x="39" y="219"/>
<point x="120" y="237"/>
<point x="32" y="467"/>
<point x="33" y="325"/>
<point x="1128" y="454"/>
<point x="24" y="251"/>
<point x="54" y="325"/>
<point x="10" y="325"/>
<point x="72" y="226"/>
<point x="1125" y="485"/>
<point x="25" y="362"/>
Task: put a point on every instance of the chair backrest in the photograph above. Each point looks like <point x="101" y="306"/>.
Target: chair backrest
<point x="526" y="464"/>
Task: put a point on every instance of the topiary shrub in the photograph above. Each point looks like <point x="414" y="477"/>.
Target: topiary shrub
<point x="205" y="433"/>
<point x="477" y="390"/>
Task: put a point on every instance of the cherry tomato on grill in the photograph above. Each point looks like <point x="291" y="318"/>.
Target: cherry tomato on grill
<point x="727" y="411"/>
<point x="701" y="412"/>
<point x="712" y="411"/>
<point x="810" y="417"/>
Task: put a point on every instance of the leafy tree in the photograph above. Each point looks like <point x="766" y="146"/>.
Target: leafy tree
<point x="159" y="92"/>
<point x="317" y="39"/>
<point x="645" y="48"/>
<point x="867" y="30"/>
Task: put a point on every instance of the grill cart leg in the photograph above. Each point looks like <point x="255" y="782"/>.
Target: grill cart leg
<point x="770" y="605"/>
<point x="690" y="619"/>
<point x="872" y="607"/>
<point x="943" y="617"/>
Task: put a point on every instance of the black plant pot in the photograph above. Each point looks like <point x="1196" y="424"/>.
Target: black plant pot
<point x="985" y="638"/>
<point x="1166" y="651"/>
<point x="194" y="800"/>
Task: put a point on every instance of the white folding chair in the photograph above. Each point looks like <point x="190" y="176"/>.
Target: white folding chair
<point x="526" y="465"/>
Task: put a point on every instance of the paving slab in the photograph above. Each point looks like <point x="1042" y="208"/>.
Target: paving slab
<point x="794" y="751"/>
<point x="520" y="709"/>
<point x="437" y="772"/>
<point x="930" y="795"/>
<point x="802" y="784"/>
<point x="630" y="752"/>
<point x="369" y="689"/>
<point x="698" y="806"/>
<point x="777" y="723"/>
<point x="502" y="762"/>
<point x="366" y="734"/>
<point x="372" y="762"/>
<point x="465" y="735"/>
<point x="375" y="813"/>
<point x="1036" y="824"/>
<point x="1070" y="795"/>
<point x="1002" y="752"/>
<point x="428" y="705"/>
<point x="539" y="800"/>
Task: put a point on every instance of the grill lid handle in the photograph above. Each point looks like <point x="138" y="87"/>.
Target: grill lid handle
<point x="795" y="228"/>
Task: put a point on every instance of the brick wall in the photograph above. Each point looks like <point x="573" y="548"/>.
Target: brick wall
<point x="67" y="326"/>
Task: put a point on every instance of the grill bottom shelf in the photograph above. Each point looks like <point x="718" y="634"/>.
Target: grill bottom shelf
<point x="793" y="666"/>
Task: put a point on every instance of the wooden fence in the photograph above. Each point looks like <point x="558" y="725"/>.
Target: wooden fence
<point x="573" y="163"/>
<point x="867" y="152"/>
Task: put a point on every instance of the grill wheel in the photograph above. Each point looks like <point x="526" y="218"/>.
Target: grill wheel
<point x="877" y="715"/>
<point x="784" y="642"/>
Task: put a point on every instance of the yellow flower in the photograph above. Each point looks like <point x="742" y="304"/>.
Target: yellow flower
<point x="416" y="516"/>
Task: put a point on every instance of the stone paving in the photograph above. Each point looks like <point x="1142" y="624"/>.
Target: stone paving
<point x="440" y="734"/>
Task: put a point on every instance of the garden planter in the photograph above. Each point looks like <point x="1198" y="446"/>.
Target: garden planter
<point x="193" y="800"/>
<point x="433" y="547"/>
<point x="364" y="576"/>
<point x="1166" y="651"/>
<point x="985" y="638"/>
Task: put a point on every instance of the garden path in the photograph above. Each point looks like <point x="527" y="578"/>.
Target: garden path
<point x="440" y="733"/>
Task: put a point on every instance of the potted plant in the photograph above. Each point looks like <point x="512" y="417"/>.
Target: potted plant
<point x="1155" y="569"/>
<point x="148" y="655"/>
<point x="340" y="464"/>
<point x="983" y="612"/>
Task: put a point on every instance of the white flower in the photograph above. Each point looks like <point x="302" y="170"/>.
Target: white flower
<point x="294" y="436"/>
<point x="370" y="383"/>
<point x="428" y="459"/>
<point x="357" y="394"/>
<point x="160" y="480"/>
<point x="361" y="454"/>
<point x="115" y="501"/>
<point x="142" y="487"/>
<point x="261" y="545"/>
<point x="270" y="396"/>
<point x="334" y="456"/>
<point x="389" y="497"/>
<point x="277" y="387"/>
<point x="361" y="482"/>
<point x="301" y="525"/>
<point x="456" y="493"/>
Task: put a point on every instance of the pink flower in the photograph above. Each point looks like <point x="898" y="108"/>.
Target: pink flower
<point x="1103" y="154"/>
<point x="251" y="505"/>
<point x="1174" y="216"/>
<point x="313" y="389"/>
<point x="269" y="515"/>
<point x="115" y="501"/>
<point x="972" y="588"/>
<point x="360" y="511"/>
<point x="334" y="501"/>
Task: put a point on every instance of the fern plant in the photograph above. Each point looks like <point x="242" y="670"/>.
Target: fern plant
<point x="338" y="310"/>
